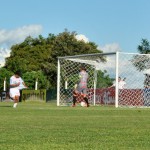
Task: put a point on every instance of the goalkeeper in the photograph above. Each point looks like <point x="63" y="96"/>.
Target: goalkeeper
<point x="81" y="88"/>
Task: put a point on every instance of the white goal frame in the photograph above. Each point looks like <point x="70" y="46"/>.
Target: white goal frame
<point x="91" y="61"/>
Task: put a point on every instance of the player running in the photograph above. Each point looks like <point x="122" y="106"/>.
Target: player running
<point x="16" y="84"/>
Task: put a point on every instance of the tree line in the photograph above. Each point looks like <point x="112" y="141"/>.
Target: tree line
<point x="37" y="58"/>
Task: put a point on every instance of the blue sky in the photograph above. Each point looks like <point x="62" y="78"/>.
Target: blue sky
<point x="112" y="24"/>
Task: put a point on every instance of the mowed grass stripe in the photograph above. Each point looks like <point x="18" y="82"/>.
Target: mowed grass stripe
<point x="41" y="126"/>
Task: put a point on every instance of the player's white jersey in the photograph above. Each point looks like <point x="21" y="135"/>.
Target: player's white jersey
<point x="14" y="80"/>
<point x="121" y="84"/>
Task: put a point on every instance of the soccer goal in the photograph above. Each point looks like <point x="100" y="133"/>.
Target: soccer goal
<point x="130" y="71"/>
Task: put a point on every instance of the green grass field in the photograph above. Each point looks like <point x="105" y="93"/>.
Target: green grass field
<point x="44" y="126"/>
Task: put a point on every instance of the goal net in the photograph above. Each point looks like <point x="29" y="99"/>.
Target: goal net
<point x="131" y="72"/>
<point x="136" y="69"/>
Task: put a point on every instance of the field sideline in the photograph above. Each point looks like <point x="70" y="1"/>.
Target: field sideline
<point x="44" y="126"/>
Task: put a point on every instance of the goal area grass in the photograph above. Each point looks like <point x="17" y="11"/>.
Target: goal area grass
<point x="44" y="126"/>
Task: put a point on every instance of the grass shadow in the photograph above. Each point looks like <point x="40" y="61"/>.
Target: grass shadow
<point x="5" y="106"/>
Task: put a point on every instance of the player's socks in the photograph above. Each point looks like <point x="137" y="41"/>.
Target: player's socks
<point x="86" y="100"/>
<point x="74" y="100"/>
<point x="15" y="105"/>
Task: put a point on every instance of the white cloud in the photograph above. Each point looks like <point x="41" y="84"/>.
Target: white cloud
<point x="110" y="65"/>
<point x="9" y="37"/>
<point x="81" y="37"/>
<point x="113" y="47"/>
<point x="4" y="52"/>
<point x="14" y="36"/>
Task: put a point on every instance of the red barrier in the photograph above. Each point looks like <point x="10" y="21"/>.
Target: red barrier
<point x="102" y="96"/>
<point x="127" y="97"/>
<point x="131" y="97"/>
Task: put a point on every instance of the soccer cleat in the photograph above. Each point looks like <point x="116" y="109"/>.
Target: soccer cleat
<point x="15" y="105"/>
<point x="88" y="105"/>
<point x="73" y="105"/>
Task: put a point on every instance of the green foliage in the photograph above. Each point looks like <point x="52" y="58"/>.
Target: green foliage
<point x="33" y="95"/>
<point x="103" y="79"/>
<point x="40" y="53"/>
<point x="141" y="62"/>
<point x="4" y="73"/>
<point x="31" y="77"/>
<point x="144" y="48"/>
<point x="28" y="55"/>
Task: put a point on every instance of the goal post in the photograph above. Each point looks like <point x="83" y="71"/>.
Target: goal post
<point x="128" y="70"/>
<point x="116" y="88"/>
<point x="58" y="83"/>
<point x="68" y="73"/>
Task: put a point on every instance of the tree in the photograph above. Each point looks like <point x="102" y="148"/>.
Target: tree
<point x="141" y="62"/>
<point x="40" y="54"/>
<point x="65" y="44"/>
<point x="5" y="74"/>
<point x="31" y="77"/>
<point x="28" y="55"/>
<point x="103" y="79"/>
<point x="144" y="48"/>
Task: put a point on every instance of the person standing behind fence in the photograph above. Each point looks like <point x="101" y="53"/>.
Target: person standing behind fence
<point x="121" y="83"/>
<point x="147" y="90"/>
<point x="16" y="84"/>
<point x="82" y="86"/>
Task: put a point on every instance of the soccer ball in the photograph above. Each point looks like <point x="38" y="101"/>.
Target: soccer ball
<point x="83" y="104"/>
